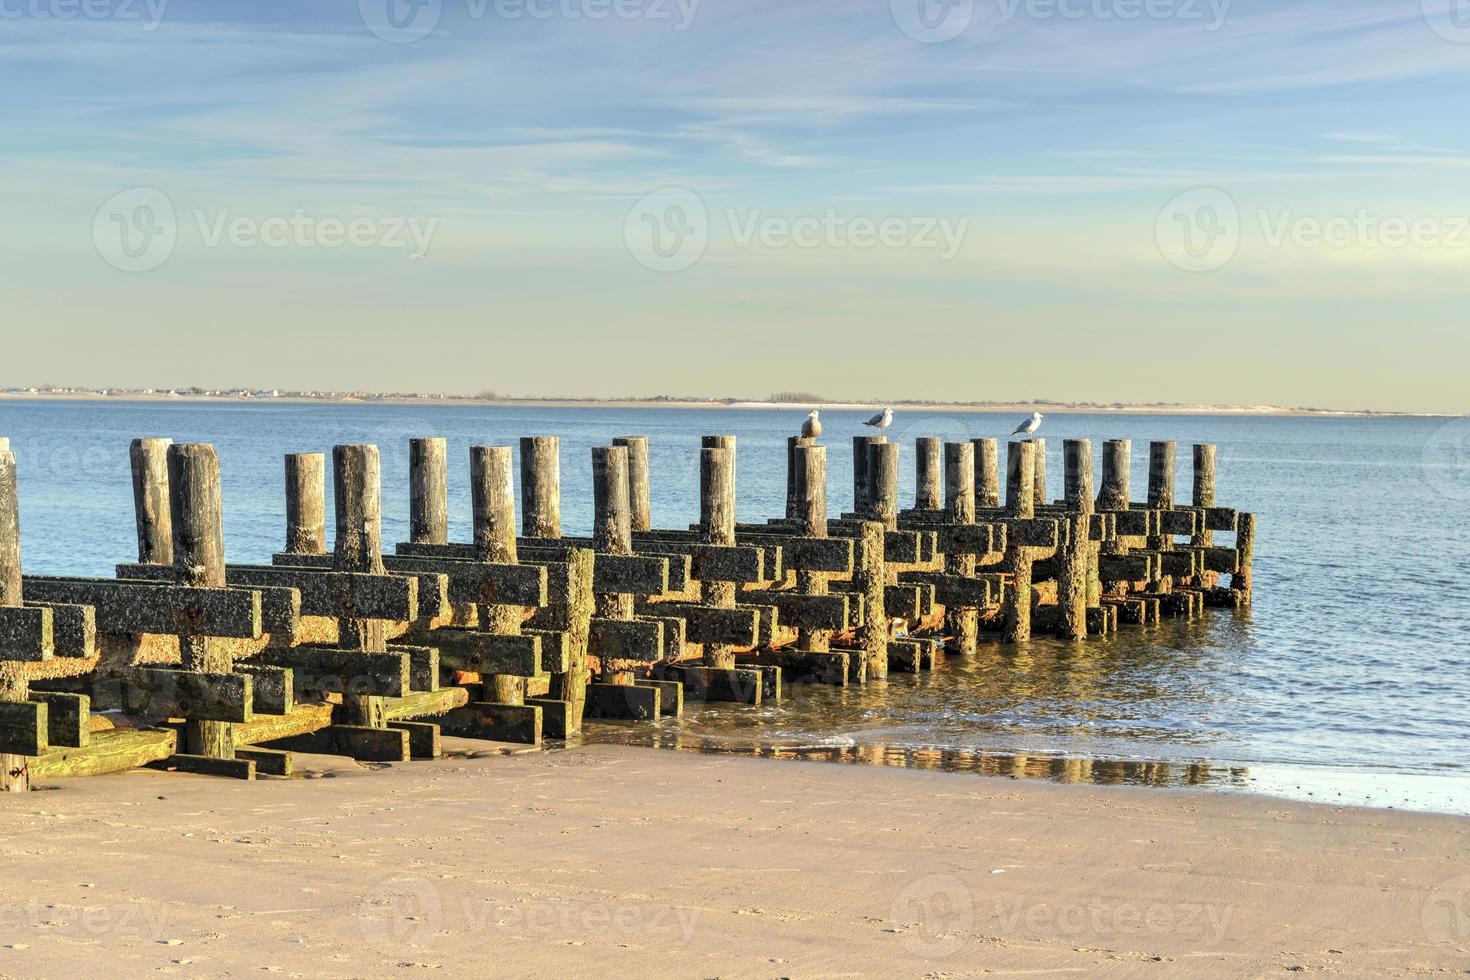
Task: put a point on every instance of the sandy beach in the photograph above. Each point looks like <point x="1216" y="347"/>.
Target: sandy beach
<point x="622" y="860"/>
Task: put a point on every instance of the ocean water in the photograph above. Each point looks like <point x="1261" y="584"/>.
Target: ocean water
<point x="1347" y="681"/>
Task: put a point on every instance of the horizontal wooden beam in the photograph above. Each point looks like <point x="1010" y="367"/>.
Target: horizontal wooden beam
<point x="354" y="741"/>
<point x="802" y="666"/>
<point x="834" y="555"/>
<point x="960" y="591"/>
<point x="131" y="607"/>
<point x="483" y="653"/>
<point x="327" y="592"/>
<point x="488" y="583"/>
<point x="325" y="670"/>
<point x="274" y="687"/>
<point x="626" y="641"/>
<point x="280" y="607"/>
<point x="818" y="612"/>
<point x="623" y="702"/>
<point x="724" y="627"/>
<point x="73" y="630"/>
<point x="24" y="727"/>
<point x="68" y="718"/>
<point x="26" y="633"/>
<point x="165" y="692"/>
<point x="520" y="723"/>
<point x="113" y="750"/>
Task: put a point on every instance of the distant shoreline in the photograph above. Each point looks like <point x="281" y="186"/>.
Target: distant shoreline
<point x="1056" y="408"/>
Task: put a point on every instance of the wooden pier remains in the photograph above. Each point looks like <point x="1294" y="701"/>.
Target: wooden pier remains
<point x="187" y="662"/>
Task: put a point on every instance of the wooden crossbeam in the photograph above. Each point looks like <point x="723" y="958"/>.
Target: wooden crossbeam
<point x="73" y="630"/>
<point x="739" y="627"/>
<point x="716" y="563"/>
<point x="821" y="612"/>
<point x="333" y="671"/>
<point x="135" y="607"/>
<point x="626" y="642"/>
<point x="976" y="592"/>
<point x="337" y="594"/>
<point x="23" y="727"/>
<point x="68" y="718"/>
<point x="164" y="692"/>
<point x="488" y="653"/>
<point x="26" y="633"/>
<point x="280" y="606"/>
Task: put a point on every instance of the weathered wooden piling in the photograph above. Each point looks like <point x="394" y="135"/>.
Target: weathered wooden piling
<point x="1077" y="558"/>
<point x="962" y="623"/>
<point x="1242" y="581"/>
<point x="717" y="527"/>
<point x="1204" y="490"/>
<point x="987" y="473"/>
<point x="1117" y="460"/>
<point x="199" y="559"/>
<point x="862" y="480"/>
<point x="882" y="495"/>
<point x="793" y="444"/>
<point x="1077" y="474"/>
<point x="428" y="491"/>
<point x="1161" y="487"/>
<point x="1078" y="585"/>
<point x="929" y="472"/>
<point x="1021" y="479"/>
<point x="1161" y="457"/>
<point x="811" y="521"/>
<point x="541" y="486"/>
<point x="1039" y="475"/>
<point x="871" y="580"/>
<point x="15" y="773"/>
<point x="358" y="547"/>
<point x="306" y="503"/>
<point x="492" y="501"/>
<point x="149" y="461"/>
<point x="1020" y="503"/>
<point x="638" y="489"/>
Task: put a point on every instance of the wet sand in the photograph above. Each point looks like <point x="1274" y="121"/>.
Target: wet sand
<point x="610" y="860"/>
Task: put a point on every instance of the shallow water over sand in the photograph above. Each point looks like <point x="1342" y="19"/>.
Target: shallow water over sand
<point x="1351" y="674"/>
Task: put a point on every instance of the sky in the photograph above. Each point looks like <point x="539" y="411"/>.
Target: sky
<point x="1193" y="201"/>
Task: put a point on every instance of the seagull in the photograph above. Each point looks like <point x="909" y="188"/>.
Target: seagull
<point x="1029" y="426"/>
<point x="882" y="420"/>
<point x="812" y="427"/>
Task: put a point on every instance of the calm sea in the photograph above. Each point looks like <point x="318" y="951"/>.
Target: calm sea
<point x="1349" y="680"/>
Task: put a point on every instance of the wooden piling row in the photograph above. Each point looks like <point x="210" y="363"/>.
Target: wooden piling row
<point x="374" y="655"/>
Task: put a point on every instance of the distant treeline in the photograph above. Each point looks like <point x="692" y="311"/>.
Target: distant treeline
<point x="796" y="398"/>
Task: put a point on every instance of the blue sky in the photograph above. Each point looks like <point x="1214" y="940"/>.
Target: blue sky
<point x="1054" y="143"/>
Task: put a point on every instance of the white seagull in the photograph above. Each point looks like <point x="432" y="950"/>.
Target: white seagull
<point x="1029" y="426"/>
<point x="812" y="427"/>
<point x="882" y="420"/>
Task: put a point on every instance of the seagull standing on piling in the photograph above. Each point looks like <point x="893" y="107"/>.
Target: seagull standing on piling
<point x="1029" y="426"/>
<point x="882" y="420"/>
<point x="812" y="427"/>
